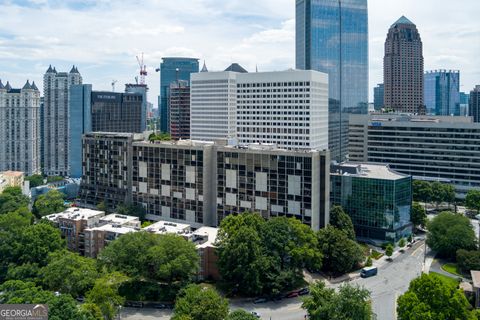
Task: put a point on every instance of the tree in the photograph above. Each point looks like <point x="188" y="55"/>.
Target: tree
<point x="12" y="199"/>
<point x="389" y="251"/>
<point x="162" y="136"/>
<point x="36" y="242"/>
<point x="35" y="180"/>
<point x="410" y="238"/>
<point x="350" y="303"/>
<point x="422" y="190"/>
<point x="26" y="272"/>
<point x="418" y="216"/>
<point x="104" y="294"/>
<point x="448" y="193"/>
<point x="54" y="179"/>
<point x="472" y="200"/>
<point x="369" y="262"/>
<point x="240" y="314"/>
<point x="342" y="221"/>
<point x="468" y="260"/>
<point x="200" y="303"/>
<point x="449" y="232"/>
<point x="132" y="210"/>
<point x="340" y="253"/>
<point x="438" y="194"/>
<point x="102" y="206"/>
<point x="49" y="203"/>
<point x="431" y="298"/>
<point x="67" y="272"/>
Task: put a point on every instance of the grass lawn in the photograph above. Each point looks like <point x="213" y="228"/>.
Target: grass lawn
<point x="452" y="268"/>
<point x="376" y="255"/>
<point x="452" y="281"/>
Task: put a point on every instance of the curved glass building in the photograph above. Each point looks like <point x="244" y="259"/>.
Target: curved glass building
<point x="332" y="37"/>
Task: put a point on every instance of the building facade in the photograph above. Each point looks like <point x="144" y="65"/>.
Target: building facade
<point x="199" y="183"/>
<point x="378" y="93"/>
<point x="80" y="122"/>
<point x="377" y="199"/>
<point x="20" y="128"/>
<point x="442" y="92"/>
<point x="403" y="68"/>
<point x="332" y="37"/>
<point x="143" y="90"/>
<point x="56" y="116"/>
<point x="435" y="148"/>
<point x="474" y="104"/>
<point x="11" y="179"/>
<point x="172" y="69"/>
<point x="179" y="117"/>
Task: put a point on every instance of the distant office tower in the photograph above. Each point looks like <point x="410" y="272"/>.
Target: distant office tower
<point x="172" y="69"/>
<point x="403" y="68"/>
<point x="442" y="92"/>
<point x="19" y="128"/>
<point x="141" y="89"/>
<point x="332" y="37"/>
<point x="56" y="91"/>
<point x="378" y="93"/>
<point x="474" y="104"/>
<point x="287" y="108"/>
<point x="464" y="97"/>
<point x="179" y="102"/>
<point x="80" y="122"/>
<point x="117" y="112"/>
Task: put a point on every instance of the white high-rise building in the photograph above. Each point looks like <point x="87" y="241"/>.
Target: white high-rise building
<point x="56" y="91"/>
<point x="286" y="108"/>
<point x="19" y="128"/>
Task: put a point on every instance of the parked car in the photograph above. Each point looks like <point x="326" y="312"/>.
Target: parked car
<point x="259" y="300"/>
<point x="159" y="306"/>
<point x="304" y="291"/>
<point x="368" y="272"/>
<point x="292" y="295"/>
<point x="134" y="304"/>
<point x="256" y="314"/>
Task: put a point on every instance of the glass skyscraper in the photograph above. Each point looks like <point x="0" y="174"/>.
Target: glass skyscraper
<point x="442" y="92"/>
<point x="171" y="70"/>
<point x="332" y="37"/>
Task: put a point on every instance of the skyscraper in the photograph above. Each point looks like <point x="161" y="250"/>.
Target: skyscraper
<point x="172" y="69"/>
<point x="378" y="93"/>
<point x="403" y="68"/>
<point x="56" y="91"/>
<point x="19" y="128"/>
<point x="474" y="104"/>
<point x="179" y="102"/>
<point x="141" y="89"/>
<point x="332" y="37"/>
<point x="442" y="92"/>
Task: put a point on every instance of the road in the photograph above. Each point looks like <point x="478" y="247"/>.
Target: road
<point x="392" y="280"/>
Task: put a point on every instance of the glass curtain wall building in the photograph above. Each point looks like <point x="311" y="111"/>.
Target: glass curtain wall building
<point x="442" y="92"/>
<point x="332" y="37"/>
<point x="171" y="70"/>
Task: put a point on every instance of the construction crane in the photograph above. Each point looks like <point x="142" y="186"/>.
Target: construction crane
<point x="143" y="69"/>
<point x="113" y="85"/>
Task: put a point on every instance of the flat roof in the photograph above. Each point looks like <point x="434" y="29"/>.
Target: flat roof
<point x="114" y="228"/>
<point x="12" y="173"/>
<point x="367" y="170"/>
<point x="76" y="214"/>
<point x="475" y="278"/>
<point x="116" y="218"/>
<point x="162" y="227"/>
<point x="210" y="232"/>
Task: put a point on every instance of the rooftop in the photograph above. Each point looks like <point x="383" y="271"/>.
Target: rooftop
<point x="402" y="20"/>
<point x="75" y="214"/>
<point x="12" y="173"/>
<point x="475" y="278"/>
<point x="120" y="219"/>
<point x="208" y="233"/>
<point x="111" y="227"/>
<point x="162" y="227"/>
<point x="366" y="170"/>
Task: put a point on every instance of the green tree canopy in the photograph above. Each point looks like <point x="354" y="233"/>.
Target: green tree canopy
<point x="104" y="294"/>
<point x="68" y="272"/>
<point x="422" y="190"/>
<point x="431" y="298"/>
<point x="449" y="232"/>
<point x="472" y="200"/>
<point x="240" y="314"/>
<point x="389" y="250"/>
<point x="162" y="136"/>
<point x="12" y="199"/>
<point x="350" y="303"/>
<point x="49" y="203"/>
<point x="35" y="180"/>
<point x="418" y="215"/>
<point x="163" y="258"/>
<point x="339" y="219"/>
<point x="195" y="302"/>
<point x="468" y="260"/>
<point x="340" y="253"/>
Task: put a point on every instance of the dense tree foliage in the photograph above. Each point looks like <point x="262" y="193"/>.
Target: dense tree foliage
<point x="418" y="215"/>
<point x="389" y="251"/>
<point x="54" y="179"/>
<point x="162" y="136"/>
<point x="49" y="203"/>
<point x="165" y="258"/>
<point x="104" y="295"/>
<point x="350" y="303"/>
<point x="468" y="260"/>
<point x="240" y="314"/>
<point x="472" y="200"/>
<point x="197" y="303"/>
<point x="35" y="180"/>
<point x="12" y="199"/>
<point x="68" y="272"/>
<point x="132" y="210"/>
<point x="449" y="232"/>
<point x="339" y="219"/>
<point x="264" y="257"/>
<point x="431" y="298"/>
<point x="340" y="253"/>
<point x="422" y="190"/>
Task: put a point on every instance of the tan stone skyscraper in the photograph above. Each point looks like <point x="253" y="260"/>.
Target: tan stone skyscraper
<point x="403" y="68"/>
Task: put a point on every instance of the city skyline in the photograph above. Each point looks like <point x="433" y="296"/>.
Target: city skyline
<point x="103" y="37"/>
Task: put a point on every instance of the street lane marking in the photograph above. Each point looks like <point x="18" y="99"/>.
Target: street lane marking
<point x="414" y="253"/>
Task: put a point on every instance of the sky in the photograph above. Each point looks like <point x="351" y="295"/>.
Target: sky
<point x="103" y="37"/>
